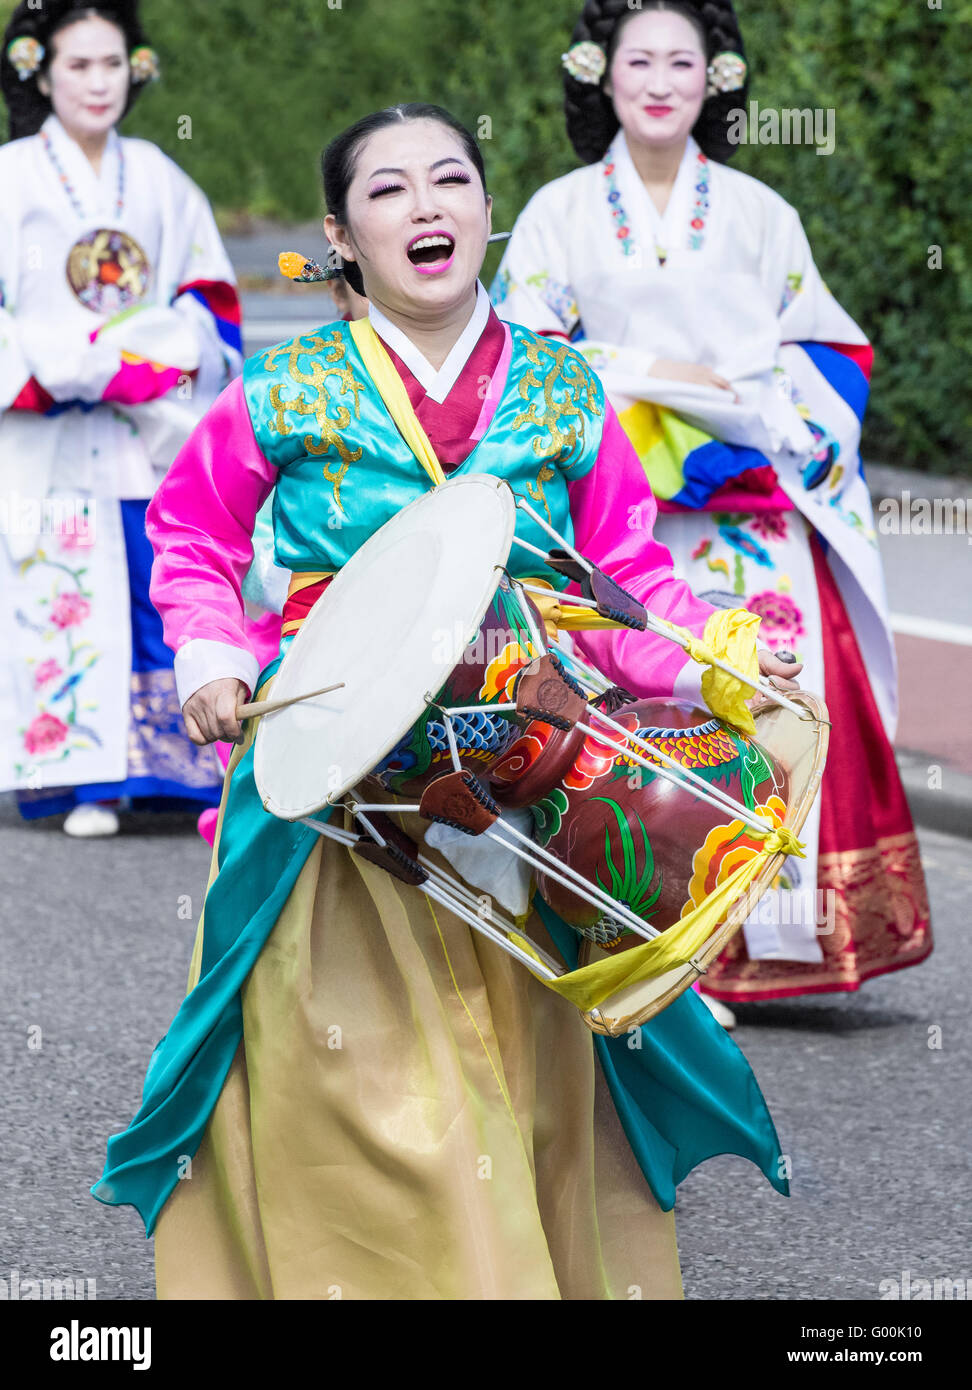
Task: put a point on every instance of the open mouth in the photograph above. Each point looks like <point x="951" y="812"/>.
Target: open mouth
<point x="433" y="250"/>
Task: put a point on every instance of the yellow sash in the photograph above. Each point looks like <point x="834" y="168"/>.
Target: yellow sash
<point x="392" y="391"/>
<point x="590" y="985"/>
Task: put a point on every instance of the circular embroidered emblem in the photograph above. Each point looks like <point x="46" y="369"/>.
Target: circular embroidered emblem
<point x="108" y="271"/>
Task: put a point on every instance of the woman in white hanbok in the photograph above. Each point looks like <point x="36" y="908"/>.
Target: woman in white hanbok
<point x="119" y="325"/>
<point x="691" y="289"/>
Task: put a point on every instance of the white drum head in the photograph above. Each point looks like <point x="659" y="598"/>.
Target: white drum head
<point x="392" y="625"/>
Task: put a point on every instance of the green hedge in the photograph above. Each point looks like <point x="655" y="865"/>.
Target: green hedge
<point x="266" y="85"/>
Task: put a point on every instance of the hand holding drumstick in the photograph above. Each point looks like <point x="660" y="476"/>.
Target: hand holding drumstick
<point x="215" y="710"/>
<point x="780" y="668"/>
<point x="211" y="713"/>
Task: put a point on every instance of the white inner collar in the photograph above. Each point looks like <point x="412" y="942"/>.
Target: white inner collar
<point x="97" y="193"/>
<point x="665" y="225"/>
<point x="437" y="384"/>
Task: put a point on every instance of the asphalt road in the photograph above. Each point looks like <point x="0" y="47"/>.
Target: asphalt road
<point x="876" y="1123"/>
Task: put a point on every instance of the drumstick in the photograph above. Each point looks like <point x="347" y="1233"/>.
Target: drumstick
<point x="268" y="706"/>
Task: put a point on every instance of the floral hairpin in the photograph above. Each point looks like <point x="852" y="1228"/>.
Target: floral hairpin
<point x="145" y="64"/>
<point x="294" y="266"/>
<point x="26" y="55"/>
<point x="585" y="62"/>
<point x="727" y="73"/>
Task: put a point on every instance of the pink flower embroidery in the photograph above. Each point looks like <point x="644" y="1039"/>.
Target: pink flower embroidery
<point x="74" y="540"/>
<point x="46" y="671"/>
<point x="69" y="610"/>
<point x="770" y="525"/>
<point x="45" y="734"/>
<point x="778" y="612"/>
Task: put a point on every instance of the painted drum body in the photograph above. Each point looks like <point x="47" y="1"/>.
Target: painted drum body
<point x="649" y="843"/>
<point x="484" y="674"/>
<point x="533" y="764"/>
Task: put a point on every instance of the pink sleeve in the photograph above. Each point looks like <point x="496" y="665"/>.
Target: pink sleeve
<point x="613" y="511"/>
<point x="137" y="381"/>
<point x="200" y="523"/>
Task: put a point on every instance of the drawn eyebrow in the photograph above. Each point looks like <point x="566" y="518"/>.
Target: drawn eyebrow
<point x="454" y="159"/>
<point x="672" y="53"/>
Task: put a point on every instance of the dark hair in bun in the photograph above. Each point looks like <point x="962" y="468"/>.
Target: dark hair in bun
<point x="591" y="122"/>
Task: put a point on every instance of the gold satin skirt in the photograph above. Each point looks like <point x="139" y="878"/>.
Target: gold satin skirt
<point x="410" y="1115"/>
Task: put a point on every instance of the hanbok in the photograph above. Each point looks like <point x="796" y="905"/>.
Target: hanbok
<point x="360" y="1097"/>
<point x="762" y="502"/>
<point x="119" y="326"/>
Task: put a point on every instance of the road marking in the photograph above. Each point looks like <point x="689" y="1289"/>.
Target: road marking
<point x="934" y="629"/>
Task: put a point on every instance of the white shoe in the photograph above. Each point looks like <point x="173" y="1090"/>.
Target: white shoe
<point x="719" y="1011"/>
<point x="89" y="820"/>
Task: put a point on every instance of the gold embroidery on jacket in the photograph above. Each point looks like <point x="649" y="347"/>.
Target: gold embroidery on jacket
<point x="562" y="416"/>
<point x="333" y="350"/>
<point x="536" y="489"/>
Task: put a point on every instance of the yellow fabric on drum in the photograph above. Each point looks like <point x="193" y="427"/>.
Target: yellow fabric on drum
<point x="392" y="391"/>
<point x="592" y="984"/>
<point x="730" y="636"/>
<point x="404" y="1121"/>
<point x="565" y="617"/>
<point x="784" y="841"/>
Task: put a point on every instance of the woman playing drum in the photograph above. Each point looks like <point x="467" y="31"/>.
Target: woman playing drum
<point x="370" y="1100"/>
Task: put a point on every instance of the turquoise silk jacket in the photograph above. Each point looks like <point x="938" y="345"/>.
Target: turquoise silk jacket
<point x="683" y="1090"/>
<point x="344" y="469"/>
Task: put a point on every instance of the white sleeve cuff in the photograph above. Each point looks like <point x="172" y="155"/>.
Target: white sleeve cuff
<point x="72" y="370"/>
<point x="201" y="660"/>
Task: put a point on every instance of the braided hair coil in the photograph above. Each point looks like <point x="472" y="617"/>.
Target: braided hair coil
<point x="589" y="111"/>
